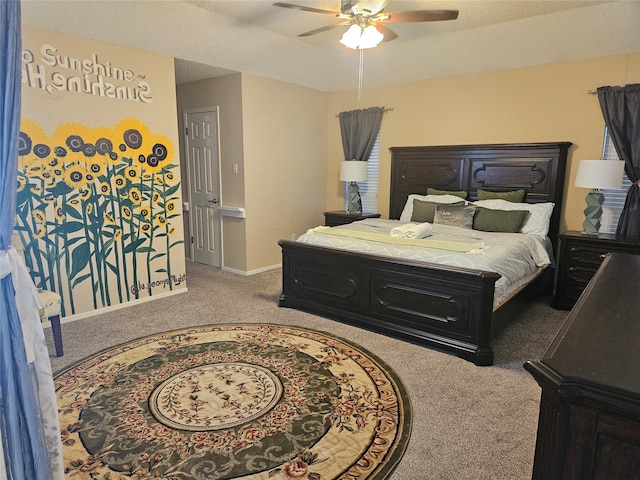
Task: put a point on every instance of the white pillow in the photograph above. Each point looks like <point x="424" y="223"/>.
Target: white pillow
<point x="407" y="212"/>
<point x="536" y="223"/>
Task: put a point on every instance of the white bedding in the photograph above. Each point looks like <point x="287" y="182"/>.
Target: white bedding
<point x="517" y="257"/>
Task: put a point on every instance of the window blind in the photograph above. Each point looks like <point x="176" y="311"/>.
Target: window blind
<point x="613" y="197"/>
<point x="369" y="189"/>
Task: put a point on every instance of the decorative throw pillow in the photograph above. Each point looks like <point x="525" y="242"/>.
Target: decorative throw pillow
<point x="536" y="223"/>
<point x="507" y="221"/>
<point x="458" y="193"/>
<point x="407" y="211"/>
<point x="512" y="196"/>
<point x="454" y="215"/>
<point x="425" y="211"/>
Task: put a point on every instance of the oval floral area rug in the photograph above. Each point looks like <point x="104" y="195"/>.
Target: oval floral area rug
<point x="250" y="401"/>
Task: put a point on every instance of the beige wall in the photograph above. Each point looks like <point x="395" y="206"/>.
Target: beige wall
<point x="277" y="134"/>
<point x="537" y="104"/>
<point x="285" y="139"/>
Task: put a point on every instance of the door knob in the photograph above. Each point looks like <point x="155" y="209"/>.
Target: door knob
<point x="215" y="200"/>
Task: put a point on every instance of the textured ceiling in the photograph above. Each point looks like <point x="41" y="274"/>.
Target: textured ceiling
<point x="210" y="38"/>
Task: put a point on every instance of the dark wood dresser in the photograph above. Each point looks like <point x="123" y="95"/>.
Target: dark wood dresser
<point x="579" y="257"/>
<point x="341" y="217"/>
<point x="589" y="425"/>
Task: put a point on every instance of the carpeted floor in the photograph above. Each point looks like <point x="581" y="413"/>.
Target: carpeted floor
<point x="468" y="422"/>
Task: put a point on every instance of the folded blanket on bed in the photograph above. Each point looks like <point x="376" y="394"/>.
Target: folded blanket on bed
<point x="430" y="242"/>
<point x="421" y="230"/>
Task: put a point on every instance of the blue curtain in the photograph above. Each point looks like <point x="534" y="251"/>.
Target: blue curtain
<point x="26" y="452"/>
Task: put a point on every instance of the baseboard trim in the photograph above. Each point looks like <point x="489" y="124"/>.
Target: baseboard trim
<point x="111" y="308"/>
<point x="252" y="272"/>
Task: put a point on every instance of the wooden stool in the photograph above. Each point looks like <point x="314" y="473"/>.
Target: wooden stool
<point x="52" y="306"/>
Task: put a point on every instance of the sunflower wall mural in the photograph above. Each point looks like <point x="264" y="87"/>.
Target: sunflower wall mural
<point x="99" y="207"/>
<point x="99" y="212"/>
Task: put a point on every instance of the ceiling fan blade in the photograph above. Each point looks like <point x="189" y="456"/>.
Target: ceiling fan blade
<point x="306" y="9"/>
<point x="387" y="32"/>
<point x="419" y="16"/>
<point x="324" y="29"/>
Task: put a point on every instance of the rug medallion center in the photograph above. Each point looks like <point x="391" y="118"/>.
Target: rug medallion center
<point x="215" y="396"/>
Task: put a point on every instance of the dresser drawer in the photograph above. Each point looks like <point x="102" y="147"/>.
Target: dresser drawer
<point x="580" y="265"/>
<point x="586" y="258"/>
<point x="575" y="279"/>
<point x="579" y="274"/>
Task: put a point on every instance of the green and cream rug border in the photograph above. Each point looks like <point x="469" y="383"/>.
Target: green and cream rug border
<point x="370" y="409"/>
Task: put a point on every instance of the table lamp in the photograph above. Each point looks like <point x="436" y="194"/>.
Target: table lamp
<point x="597" y="174"/>
<point x="353" y="171"/>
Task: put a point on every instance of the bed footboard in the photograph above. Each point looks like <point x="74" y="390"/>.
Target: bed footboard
<point x="443" y="307"/>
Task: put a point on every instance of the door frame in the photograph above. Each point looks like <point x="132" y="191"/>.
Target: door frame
<point x="186" y="112"/>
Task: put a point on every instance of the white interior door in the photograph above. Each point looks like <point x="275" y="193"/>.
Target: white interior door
<point x="203" y="159"/>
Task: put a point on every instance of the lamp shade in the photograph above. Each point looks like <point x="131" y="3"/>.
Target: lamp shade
<point x="359" y="37"/>
<point x="370" y="37"/>
<point x="351" y="38"/>
<point x="599" y="174"/>
<point x="353" y="171"/>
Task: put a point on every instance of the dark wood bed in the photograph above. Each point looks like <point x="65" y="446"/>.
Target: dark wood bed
<point x="440" y="306"/>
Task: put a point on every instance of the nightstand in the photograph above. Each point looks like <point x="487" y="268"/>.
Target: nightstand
<point x="342" y="217"/>
<point x="579" y="257"/>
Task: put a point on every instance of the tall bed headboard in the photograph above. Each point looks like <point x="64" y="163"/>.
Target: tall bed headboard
<point x="538" y="168"/>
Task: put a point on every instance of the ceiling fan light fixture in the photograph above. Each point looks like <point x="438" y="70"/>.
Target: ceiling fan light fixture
<point x="359" y="38"/>
<point x="351" y="38"/>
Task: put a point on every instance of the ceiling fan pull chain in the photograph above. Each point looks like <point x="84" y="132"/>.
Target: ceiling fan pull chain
<point x="360" y="73"/>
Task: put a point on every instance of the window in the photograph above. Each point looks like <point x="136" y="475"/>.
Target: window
<point x="369" y="189"/>
<point x="613" y="197"/>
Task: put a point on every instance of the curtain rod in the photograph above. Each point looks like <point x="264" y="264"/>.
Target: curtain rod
<point x="592" y="92"/>
<point x="384" y="110"/>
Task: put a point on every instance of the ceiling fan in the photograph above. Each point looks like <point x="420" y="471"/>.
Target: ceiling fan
<point x="366" y="20"/>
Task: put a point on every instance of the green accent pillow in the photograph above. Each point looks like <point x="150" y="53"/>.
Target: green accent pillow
<point x="506" y="221"/>
<point x="425" y="211"/>
<point x="458" y="193"/>
<point x="515" y="196"/>
<point x="454" y="215"/>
